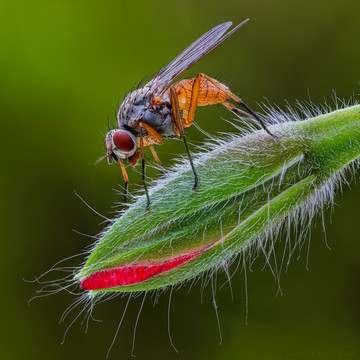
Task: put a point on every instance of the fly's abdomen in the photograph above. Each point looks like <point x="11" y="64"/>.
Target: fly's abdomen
<point x="209" y="94"/>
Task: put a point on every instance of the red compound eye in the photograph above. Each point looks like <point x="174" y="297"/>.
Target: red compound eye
<point x="123" y="141"/>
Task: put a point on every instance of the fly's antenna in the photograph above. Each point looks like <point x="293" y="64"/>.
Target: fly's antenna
<point x="100" y="159"/>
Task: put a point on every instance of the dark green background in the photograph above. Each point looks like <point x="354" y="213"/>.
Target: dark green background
<point x="63" y="67"/>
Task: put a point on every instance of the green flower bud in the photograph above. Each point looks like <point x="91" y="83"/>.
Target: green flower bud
<point x="248" y="187"/>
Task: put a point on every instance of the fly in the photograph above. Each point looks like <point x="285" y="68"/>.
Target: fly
<point x="162" y="109"/>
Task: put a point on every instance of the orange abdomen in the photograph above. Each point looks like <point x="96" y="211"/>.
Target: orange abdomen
<point x="209" y="94"/>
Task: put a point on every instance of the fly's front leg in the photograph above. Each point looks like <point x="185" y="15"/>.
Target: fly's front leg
<point x="153" y="135"/>
<point x="236" y="99"/>
<point x="153" y="138"/>
<point x="180" y="128"/>
<point x="143" y="166"/>
<point x="126" y="179"/>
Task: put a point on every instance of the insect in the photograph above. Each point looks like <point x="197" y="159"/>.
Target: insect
<point x="162" y="109"/>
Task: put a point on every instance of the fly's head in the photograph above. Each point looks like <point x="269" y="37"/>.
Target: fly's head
<point x="120" y="144"/>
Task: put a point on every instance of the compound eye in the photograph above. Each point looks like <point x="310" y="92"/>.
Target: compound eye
<point x="123" y="141"/>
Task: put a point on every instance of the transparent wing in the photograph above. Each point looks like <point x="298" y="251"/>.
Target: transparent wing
<point x="191" y="55"/>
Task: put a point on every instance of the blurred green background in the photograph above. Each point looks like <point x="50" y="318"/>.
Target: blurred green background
<point x="63" y="67"/>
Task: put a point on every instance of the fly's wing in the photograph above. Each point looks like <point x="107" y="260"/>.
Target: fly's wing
<point x="190" y="56"/>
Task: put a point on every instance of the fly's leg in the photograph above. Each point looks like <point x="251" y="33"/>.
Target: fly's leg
<point x="154" y="154"/>
<point x="143" y="166"/>
<point x="189" y="117"/>
<point x="239" y="101"/>
<point x="225" y="89"/>
<point x="154" y="136"/>
<point x="180" y="128"/>
<point x="231" y="107"/>
<point x="258" y="119"/>
<point x="126" y="179"/>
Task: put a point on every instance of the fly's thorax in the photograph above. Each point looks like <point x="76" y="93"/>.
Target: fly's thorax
<point x="139" y="106"/>
<point x="134" y="107"/>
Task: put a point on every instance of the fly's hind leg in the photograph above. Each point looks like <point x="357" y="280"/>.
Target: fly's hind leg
<point x="231" y="107"/>
<point x="258" y="119"/>
<point x="229" y="94"/>
<point x="180" y="128"/>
